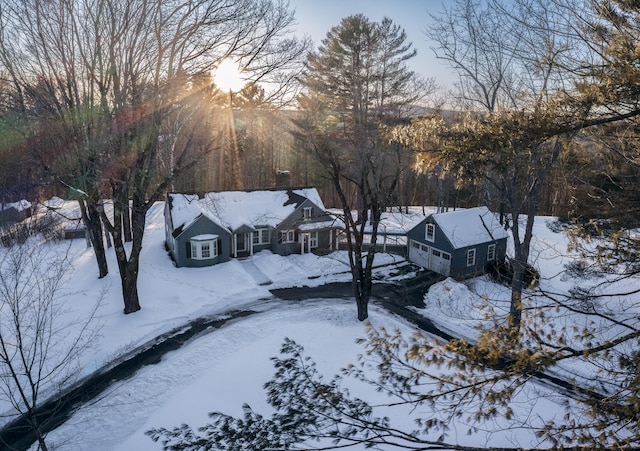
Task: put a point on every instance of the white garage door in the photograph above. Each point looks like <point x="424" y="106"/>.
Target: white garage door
<point x="440" y="262"/>
<point x="419" y="254"/>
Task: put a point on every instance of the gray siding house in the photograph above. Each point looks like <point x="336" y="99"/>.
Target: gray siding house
<point x="193" y="238"/>
<point x="459" y="243"/>
<point x="14" y="212"/>
<point x="284" y="221"/>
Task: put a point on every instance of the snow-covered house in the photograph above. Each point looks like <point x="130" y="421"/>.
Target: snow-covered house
<point x="14" y="212"/>
<point x="203" y="232"/>
<point x="459" y="243"/>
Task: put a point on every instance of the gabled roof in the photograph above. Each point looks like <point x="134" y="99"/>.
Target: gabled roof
<point x="236" y="210"/>
<point x="470" y="226"/>
<point x="185" y="208"/>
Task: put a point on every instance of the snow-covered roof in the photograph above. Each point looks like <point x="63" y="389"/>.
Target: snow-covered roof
<point x="470" y="226"/>
<point x="399" y="223"/>
<point x="21" y="205"/>
<point x="185" y="208"/>
<point x="204" y="237"/>
<point x="319" y="225"/>
<point x="393" y="222"/>
<point x="235" y="209"/>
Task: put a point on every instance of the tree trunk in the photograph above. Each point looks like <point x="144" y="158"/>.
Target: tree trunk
<point x="520" y="262"/>
<point x="129" y="276"/>
<point x="362" y="284"/>
<point x="515" y="308"/>
<point x="90" y="212"/>
<point x="362" y="302"/>
<point x="107" y="235"/>
<point x="128" y="266"/>
<point x="126" y="223"/>
<point x="42" y="444"/>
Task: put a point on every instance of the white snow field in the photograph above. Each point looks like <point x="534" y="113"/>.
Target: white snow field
<point x="221" y="370"/>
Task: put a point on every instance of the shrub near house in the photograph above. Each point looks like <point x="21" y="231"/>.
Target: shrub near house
<point x="459" y="243"/>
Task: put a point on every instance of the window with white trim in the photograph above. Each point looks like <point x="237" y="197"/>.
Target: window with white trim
<point x="287" y="236"/>
<point x="307" y="212"/>
<point x="204" y="249"/>
<point x="491" y="252"/>
<point x="261" y="236"/>
<point x="471" y="257"/>
<point x="313" y="240"/>
<point x="430" y="232"/>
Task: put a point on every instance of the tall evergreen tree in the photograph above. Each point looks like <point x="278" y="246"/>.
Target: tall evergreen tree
<point x="356" y="84"/>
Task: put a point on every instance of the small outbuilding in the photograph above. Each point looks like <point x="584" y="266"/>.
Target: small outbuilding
<point x="14" y="212"/>
<point x="459" y="243"/>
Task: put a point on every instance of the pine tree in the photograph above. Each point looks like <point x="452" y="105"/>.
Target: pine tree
<point x="356" y="84"/>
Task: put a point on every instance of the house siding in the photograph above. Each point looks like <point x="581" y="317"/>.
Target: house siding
<point x="458" y="269"/>
<point x="202" y="225"/>
<point x="294" y="220"/>
<point x="205" y="224"/>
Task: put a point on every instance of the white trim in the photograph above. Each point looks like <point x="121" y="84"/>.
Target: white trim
<point x="471" y="257"/>
<point x="431" y="237"/>
<point x="204" y="237"/>
<point x="258" y="236"/>
<point x="307" y="213"/>
<point x="313" y="240"/>
<point x="287" y="236"/>
<point x="491" y="252"/>
<point x="204" y="249"/>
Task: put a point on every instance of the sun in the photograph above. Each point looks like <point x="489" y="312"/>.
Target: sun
<point x="228" y="77"/>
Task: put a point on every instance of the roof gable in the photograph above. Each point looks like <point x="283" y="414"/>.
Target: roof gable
<point x="470" y="226"/>
<point x="184" y="210"/>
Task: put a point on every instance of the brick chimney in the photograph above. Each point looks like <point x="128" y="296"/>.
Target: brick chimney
<point x="283" y="179"/>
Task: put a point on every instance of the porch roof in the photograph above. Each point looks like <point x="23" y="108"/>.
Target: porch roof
<point x="244" y="228"/>
<point x="204" y="237"/>
<point x="319" y="225"/>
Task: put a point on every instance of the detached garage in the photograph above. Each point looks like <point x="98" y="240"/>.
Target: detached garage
<point x="459" y="243"/>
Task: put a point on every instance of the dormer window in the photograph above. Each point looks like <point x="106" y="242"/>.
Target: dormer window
<point x="430" y="233"/>
<point x="307" y="212"/>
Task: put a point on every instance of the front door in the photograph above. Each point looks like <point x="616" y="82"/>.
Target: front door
<point x="242" y="243"/>
<point x="308" y="241"/>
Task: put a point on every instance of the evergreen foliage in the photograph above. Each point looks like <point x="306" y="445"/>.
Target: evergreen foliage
<point x="356" y="84"/>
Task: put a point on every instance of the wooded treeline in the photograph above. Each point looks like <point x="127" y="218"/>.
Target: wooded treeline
<point x="113" y="99"/>
<point x="40" y="81"/>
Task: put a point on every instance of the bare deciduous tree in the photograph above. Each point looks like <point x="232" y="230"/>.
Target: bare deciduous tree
<point x="40" y="343"/>
<point x="122" y="79"/>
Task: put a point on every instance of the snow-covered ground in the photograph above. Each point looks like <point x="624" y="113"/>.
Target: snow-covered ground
<point x="221" y="370"/>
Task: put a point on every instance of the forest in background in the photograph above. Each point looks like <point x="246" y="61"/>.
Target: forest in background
<point x="39" y="139"/>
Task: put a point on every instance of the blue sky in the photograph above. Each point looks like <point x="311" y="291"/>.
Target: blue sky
<point x="316" y="17"/>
